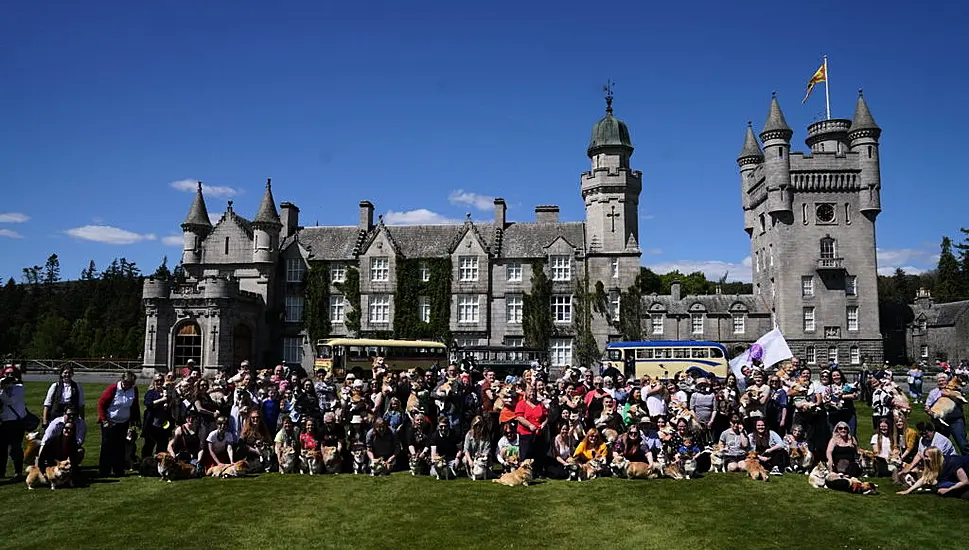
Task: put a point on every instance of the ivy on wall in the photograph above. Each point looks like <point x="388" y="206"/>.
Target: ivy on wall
<point x="631" y="312"/>
<point x="410" y="288"/>
<point x="350" y="288"/>
<point x="317" y="309"/>
<point x="585" y="302"/>
<point x="537" y="323"/>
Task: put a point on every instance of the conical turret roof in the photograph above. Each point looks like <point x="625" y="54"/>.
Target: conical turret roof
<point x="267" y="213"/>
<point x="863" y="119"/>
<point x="198" y="215"/>
<point x="751" y="146"/>
<point x="775" y="119"/>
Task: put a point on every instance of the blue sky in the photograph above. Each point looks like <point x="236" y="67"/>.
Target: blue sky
<point x="430" y="109"/>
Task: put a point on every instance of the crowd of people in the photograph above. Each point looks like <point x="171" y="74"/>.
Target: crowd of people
<point x="462" y="419"/>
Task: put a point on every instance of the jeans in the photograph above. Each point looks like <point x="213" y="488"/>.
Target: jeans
<point x="11" y="444"/>
<point x="957" y="430"/>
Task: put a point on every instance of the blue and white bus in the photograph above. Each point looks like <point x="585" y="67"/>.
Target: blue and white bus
<point x="664" y="358"/>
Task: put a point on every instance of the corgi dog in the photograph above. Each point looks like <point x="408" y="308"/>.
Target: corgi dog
<point x="801" y="458"/>
<point x="289" y="461"/>
<point x="61" y="474"/>
<point x="360" y="461"/>
<point x="311" y="462"/>
<point x="520" y="477"/>
<point x="235" y="469"/>
<point x="945" y="405"/>
<point x="754" y="468"/>
<point x="331" y="460"/>
<point x="32" y="447"/>
<point x="479" y="468"/>
<point x="171" y="469"/>
<point x="717" y="463"/>
<point x="380" y="467"/>
<point x="866" y="462"/>
<point x="818" y="476"/>
<point x="442" y="469"/>
<point x="264" y="461"/>
<point x="418" y="465"/>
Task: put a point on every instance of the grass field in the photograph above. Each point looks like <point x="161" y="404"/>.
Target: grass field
<point x="346" y="511"/>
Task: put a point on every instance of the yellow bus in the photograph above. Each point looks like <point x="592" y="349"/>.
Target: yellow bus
<point x="664" y="358"/>
<point x="342" y="356"/>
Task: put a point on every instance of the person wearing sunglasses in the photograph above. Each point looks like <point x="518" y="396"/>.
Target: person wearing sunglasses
<point x="842" y="451"/>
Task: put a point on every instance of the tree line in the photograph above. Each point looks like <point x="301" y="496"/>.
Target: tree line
<point x="98" y="315"/>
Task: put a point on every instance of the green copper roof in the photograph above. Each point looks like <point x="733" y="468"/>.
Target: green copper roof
<point x="609" y="132"/>
<point x="267" y="213"/>
<point x="197" y="215"/>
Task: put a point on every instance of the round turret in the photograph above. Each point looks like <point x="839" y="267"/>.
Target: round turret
<point x="610" y="134"/>
<point x="155" y="288"/>
<point x="215" y="287"/>
<point x="828" y="136"/>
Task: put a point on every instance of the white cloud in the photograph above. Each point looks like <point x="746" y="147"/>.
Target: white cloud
<point x="210" y="190"/>
<point x="481" y="202"/>
<point x="653" y="251"/>
<point x="420" y="216"/>
<point x="13" y="217"/>
<point x="214" y="218"/>
<point x="108" y="234"/>
<point x="713" y="269"/>
<point x="10" y="234"/>
<point x="912" y="260"/>
<point x="908" y="269"/>
<point x="172" y="240"/>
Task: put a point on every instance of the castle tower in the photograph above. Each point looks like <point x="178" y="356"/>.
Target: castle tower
<point x="195" y="228"/>
<point x="813" y="234"/>
<point x="266" y="226"/>
<point x="750" y="159"/>
<point x="611" y="189"/>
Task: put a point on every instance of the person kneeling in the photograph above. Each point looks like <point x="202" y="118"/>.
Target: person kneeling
<point x="770" y="448"/>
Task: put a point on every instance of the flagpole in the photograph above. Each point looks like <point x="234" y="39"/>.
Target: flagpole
<point x="827" y="96"/>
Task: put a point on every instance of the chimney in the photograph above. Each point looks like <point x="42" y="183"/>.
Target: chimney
<point x="289" y="215"/>
<point x="547" y="214"/>
<point x="675" y="289"/>
<point x="500" y="213"/>
<point x="366" y="215"/>
<point x="719" y="289"/>
<point x="923" y="298"/>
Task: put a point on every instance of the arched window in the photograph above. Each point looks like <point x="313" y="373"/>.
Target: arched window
<point x="828" y="248"/>
<point x="188" y="344"/>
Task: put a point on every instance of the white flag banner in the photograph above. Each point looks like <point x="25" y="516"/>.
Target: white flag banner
<point x="775" y="350"/>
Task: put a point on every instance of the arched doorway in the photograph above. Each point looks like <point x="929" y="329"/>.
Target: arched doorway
<point x="187" y="344"/>
<point x="241" y="344"/>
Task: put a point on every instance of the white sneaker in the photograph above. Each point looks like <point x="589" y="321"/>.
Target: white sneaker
<point x="775" y="471"/>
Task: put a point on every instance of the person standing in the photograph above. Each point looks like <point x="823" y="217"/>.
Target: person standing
<point x="915" y="376"/>
<point x="532" y="418"/>
<point x="117" y="411"/>
<point x="157" y="418"/>
<point x="62" y="394"/>
<point x="14" y="410"/>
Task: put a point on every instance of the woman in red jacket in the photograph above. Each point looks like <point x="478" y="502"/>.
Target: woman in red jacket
<point x="117" y="411"/>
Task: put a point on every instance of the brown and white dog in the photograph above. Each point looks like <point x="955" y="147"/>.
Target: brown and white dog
<point x="379" y="467"/>
<point x="818" y="476"/>
<point x="479" y="468"/>
<point x="522" y="476"/>
<point x="944" y="406"/>
<point x="289" y="460"/>
<point x="418" y="465"/>
<point x="866" y="462"/>
<point x="717" y="463"/>
<point x="442" y="469"/>
<point x="632" y="470"/>
<point x="754" y="468"/>
<point x="171" y="469"/>
<point x="311" y="462"/>
<point x="32" y="444"/>
<point x="61" y="474"/>
<point x="331" y="460"/>
<point x="235" y="469"/>
<point x="801" y="458"/>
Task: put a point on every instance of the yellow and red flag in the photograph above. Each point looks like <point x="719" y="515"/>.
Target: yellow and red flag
<point x="821" y="75"/>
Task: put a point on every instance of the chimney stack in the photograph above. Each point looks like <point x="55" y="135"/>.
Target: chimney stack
<point x="289" y="215"/>
<point x="547" y="214"/>
<point x="366" y="215"/>
<point x="500" y="213"/>
<point x="675" y="289"/>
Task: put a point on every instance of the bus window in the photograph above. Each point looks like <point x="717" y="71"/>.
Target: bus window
<point x="663" y="353"/>
<point x="356" y="352"/>
<point x="700" y="353"/>
<point x="614" y="354"/>
<point x="716" y="353"/>
<point x="646" y="353"/>
<point x="681" y="353"/>
<point x="324" y="352"/>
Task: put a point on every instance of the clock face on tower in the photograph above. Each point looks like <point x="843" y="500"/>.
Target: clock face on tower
<point x="825" y="213"/>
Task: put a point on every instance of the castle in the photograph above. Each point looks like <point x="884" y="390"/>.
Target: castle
<point x="810" y="218"/>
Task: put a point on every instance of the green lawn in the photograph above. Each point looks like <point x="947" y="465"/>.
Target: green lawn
<point x="274" y="511"/>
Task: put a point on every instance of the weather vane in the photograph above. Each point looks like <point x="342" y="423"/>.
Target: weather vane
<point x="607" y="89"/>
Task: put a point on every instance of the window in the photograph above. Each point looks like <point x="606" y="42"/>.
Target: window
<point x="809" y="325"/>
<point x="615" y="268"/>
<point x="467" y="309"/>
<point x="828" y="248"/>
<point x="923" y="324"/>
<point x="338" y="272"/>
<point x="854" y="355"/>
<point x="757" y="261"/>
<point x="615" y="303"/>
<point x="811" y="355"/>
<point x="293" y="350"/>
<point x="561" y="352"/>
<point x="833" y="354"/>
<point x="807" y="286"/>
<point x="561" y="268"/>
<point x="468" y="268"/>
<point x="739" y="323"/>
<point x="338" y="305"/>
<point x="294" y="309"/>
<point x="514" y="307"/>
<point x="466" y="342"/>
<point x="380" y="308"/>
<point x="851" y="285"/>
<point x="515" y="342"/>
<point x="379" y="269"/>
<point x="188" y="344"/>
<point x="770" y="248"/>
<point x="763" y="223"/>
<point x="804" y="214"/>
<point x="562" y="309"/>
<point x="696" y="323"/>
<point x="773" y="289"/>
<point x="656" y="322"/>
<point x="852" y="317"/>
<point x="514" y="272"/>
<point x="924" y="351"/>
<point x="424" y="309"/>
<point x="294" y="270"/>
<point x="847" y="214"/>
<point x="424" y="271"/>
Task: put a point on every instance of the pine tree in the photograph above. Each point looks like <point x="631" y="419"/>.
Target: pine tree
<point x="947" y="286"/>
<point x="52" y="270"/>
<point x="90" y="273"/>
<point x="162" y="272"/>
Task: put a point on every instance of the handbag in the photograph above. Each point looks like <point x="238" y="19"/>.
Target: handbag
<point x="30" y="420"/>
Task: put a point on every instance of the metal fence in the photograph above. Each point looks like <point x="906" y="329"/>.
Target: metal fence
<point x="80" y="365"/>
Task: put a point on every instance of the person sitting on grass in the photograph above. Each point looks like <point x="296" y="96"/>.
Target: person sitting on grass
<point x="882" y="444"/>
<point x="562" y="448"/>
<point x="62" y="446"/>
<point x="477" y="443"/>
<point x="254" y="433"/>
<point x="185" y="444"/>
<point x="591" y="448"/>
<point x="71" y="415"/>
<point x="508" y="448"/>
<point x="949" y="475"/>
<point x="735" y="443"/>
<point x="842" y="452"/>
<point x="906" y="438"/>
<point x="928" y="438"/>
<point x="770" y="448"/>
<point x="382" y="443"/>
<point x="219" y="445"/>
